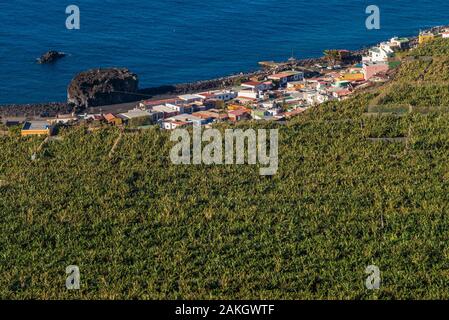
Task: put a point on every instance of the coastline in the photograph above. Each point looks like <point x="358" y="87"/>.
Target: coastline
<point x="49" y="109"/>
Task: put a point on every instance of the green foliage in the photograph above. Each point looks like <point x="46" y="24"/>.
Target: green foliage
<point x="439" y="47"/>
<point x="418" y="95"/>
<point x="140" y="121"/>
<point x="141" y="227"/>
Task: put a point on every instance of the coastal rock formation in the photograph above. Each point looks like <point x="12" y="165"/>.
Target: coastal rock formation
<point x="101" y="87"/>
<point x="50" y="57"/>
<point x="50" y="109"/>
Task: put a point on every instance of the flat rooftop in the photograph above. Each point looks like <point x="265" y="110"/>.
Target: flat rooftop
<point x="136" y="114"/>
<point x="36" y="125"/>
<point x="189" y="97"/>
<point x="162" y="108"/>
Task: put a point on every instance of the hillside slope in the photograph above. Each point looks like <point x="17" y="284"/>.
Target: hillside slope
<point x="347" y="195"/>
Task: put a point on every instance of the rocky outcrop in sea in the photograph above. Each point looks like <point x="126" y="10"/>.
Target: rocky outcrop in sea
<point x="51" y="57"/>
<point x="99" y="87"/>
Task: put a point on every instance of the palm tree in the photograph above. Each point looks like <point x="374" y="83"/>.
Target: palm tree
<point x="332" y="56"/>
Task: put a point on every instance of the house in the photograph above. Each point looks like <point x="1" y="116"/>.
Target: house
<point x="311" y="97"/>
<point x="257" y="86"/>
<point x="64" y="119"/>
<point x="248" y="93"/>
<point x="224" y="95"/>
<point x="381" y="77"/>
<point x="238" y="115"/>
<point x="400" y="43"/>
<point x="113" y="119"/>
<point x="137" y="117"/>
<point x="295" y="85"/>
<point x="92" y="117"/>
<point x="288" y="76"/>
<point x="341" y="94"/>
<point x="191" y="98"/>
<point x="425" y="37"/>
<point x="379" y="54"/>
<point x="152" y="103"/>
<point x="236" y="107"/>
<point x="172" y="125"/>
<point x="36" y="128"/>
<point x="267" y="104"/>
<point x="274" y="111"/>
<point x="206" y="95"/>
<point x="372" y="69"/>
<point x="183" y="120"/>
<point x="166" y="110"/>
<point x="321" y="98"/>
<point x="180" y="108"/>
<point x="247" y="100"/>
<point x="211" y="115"/>
<point x="259" y="114"/>
<point x="341" y="84"/>
<point x="196" y="121"/>
<point x="445" y="34"/>
<point x="355" y="76"/>
<point x="294" y="113"/>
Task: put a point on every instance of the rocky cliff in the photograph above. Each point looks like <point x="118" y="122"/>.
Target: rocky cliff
<point x="101" y="87"/>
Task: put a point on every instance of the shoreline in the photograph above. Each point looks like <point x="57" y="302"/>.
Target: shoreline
<point x="49" y="109"/>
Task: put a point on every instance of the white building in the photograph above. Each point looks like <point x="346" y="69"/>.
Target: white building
<point x="168" y="111"/>
<point x="287" y="76"/>
<point x="176" y="107"/>
<point x="191" y="98"/>
<point x="182" y="120"/>
<point x="379" y="54"/>
<point x="257" y="86"/>
<point x="224" y="95"/>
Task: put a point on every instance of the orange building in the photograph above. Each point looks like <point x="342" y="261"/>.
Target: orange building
<point x="113" y="119"/>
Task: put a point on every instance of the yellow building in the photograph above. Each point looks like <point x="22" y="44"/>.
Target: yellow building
<point x="33" y="128"/>
<point x="233" y="107"/>
<point x="426" y="37"/>
<point x="294" y="86"/>
<point x="352" y="77"/>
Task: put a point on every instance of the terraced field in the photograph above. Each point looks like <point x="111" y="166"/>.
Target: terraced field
<point x="351" y="191"/>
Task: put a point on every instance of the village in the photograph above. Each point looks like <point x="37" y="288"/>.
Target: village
<point x="276" y="97"/>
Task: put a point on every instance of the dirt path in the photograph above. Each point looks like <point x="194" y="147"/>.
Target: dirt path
<point x="116" y="143"/>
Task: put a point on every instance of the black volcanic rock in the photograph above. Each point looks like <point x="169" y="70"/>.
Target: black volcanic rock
<point x="50" y="57"/>
<point x="101" y="87"/>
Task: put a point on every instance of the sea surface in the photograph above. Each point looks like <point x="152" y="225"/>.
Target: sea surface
<point x="174" y="41"/>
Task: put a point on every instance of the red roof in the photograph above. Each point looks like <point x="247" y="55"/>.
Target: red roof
<point x="252" y="83"/>
<point x="343" y="92"/>
<point x="295" y="112"/>
<point x="238" y="112"/>
<point x="160" y="102"/>
<point x="206" y="94"/>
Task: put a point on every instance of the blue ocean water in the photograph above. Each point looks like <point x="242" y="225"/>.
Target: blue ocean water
<point x="173" y="41"/>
